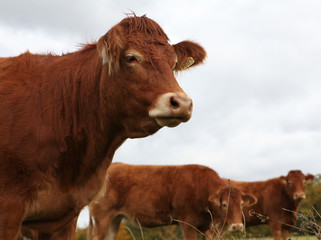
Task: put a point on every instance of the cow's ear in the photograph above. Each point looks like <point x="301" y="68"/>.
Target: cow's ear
<point x="215" y="199"/>
<point x="110" y="47"/>
<point x="284" y="180"/>
<point x="249" y="199"/>
<point x="309" y="178"/>
<point x="189" y="54"/>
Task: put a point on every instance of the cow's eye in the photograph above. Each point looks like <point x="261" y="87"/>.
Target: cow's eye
<point x="224" y="204"/>
<point x="131" y="59"/>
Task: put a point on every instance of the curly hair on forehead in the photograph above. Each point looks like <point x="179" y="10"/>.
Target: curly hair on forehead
<point x="145" y="25"/>
<point x="143" y="32"/>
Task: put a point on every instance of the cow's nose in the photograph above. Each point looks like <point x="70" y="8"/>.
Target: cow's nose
<point x="299" y="195"/>
<point x="236" y="227"/>
<point x="181" y="106"/>
<point x="170" y="109"/>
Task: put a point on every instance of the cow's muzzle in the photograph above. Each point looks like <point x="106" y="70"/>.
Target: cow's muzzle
<point x="236" y="227"/>
<point x="170" y="109"/>
<point x="299" y="195"/>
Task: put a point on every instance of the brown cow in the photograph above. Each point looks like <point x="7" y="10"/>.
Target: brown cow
<point x="155" y="195"/>
<point x="278" y="199"/>
<point x="63" y="117"/>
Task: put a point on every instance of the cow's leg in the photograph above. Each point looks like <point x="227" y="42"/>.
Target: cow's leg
<point x="209" y="235"/>
<point x="12" y="212"/>
<point x="66" y="233"/>
<point x="113" y="228"/>
<point x="107" y="227"/>
<point x="189" y="233"/>
<point x="276" y="229"/>
<point x="285" y="233"/>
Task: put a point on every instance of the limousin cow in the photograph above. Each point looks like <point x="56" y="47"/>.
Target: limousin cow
<point x="63" y="117"/>
<point x="192" y="195"/>
<point x="278" y="200"/>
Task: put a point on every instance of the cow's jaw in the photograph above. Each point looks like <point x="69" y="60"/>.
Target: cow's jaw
<point x="170" y="109"/>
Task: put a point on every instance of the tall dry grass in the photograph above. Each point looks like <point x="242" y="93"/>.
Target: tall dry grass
<point x="309" y="227"/>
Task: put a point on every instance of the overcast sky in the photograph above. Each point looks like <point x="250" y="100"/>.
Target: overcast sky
<point x="257" y="98"/>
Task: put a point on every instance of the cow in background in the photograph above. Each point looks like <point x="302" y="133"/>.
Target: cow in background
<point x="192" y="195"/>
<point x="63" y="117"/>
<point x="278" y="200"/>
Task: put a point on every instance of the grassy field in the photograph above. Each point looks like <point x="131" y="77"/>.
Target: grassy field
<point x="173" y="232"/>
<point x="292" y="238"/>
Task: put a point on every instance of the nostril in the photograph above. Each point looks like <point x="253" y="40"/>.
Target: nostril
<point x="174" y="103"/>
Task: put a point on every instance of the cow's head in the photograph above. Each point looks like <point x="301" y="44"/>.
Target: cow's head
<point x="295" y="182"/>
<point x="228" y="204"/>
<point x="139" y="65"/>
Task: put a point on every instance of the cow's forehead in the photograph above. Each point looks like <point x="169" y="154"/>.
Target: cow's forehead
<point x="296" y="176"/>
<point x="144" y="29"/>
<point x="231" y="193"/>
<point x="151" y="48"/>
<point x="147" y="37"/>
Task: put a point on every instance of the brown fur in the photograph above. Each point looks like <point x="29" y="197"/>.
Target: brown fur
<point x="275" y="199"/>
<point x="155" y="195"/>
<point x="63" y="117"/>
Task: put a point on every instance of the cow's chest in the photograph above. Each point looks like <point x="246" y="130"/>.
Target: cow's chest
<point x="50" y="204"/>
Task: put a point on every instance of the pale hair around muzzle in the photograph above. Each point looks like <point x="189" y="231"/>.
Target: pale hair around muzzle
<point x="170" y="109"/>
<point x="235" y="227"/>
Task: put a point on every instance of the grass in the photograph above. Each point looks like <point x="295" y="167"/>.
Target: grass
<point x="308" y="226"/>
<point x="292" y="238"/>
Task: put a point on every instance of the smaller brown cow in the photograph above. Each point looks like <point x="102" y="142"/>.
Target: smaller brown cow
<point x="155" y="195"/>
<point x="278" y="201"/>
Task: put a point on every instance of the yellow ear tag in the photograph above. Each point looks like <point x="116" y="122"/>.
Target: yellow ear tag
<point x="189" y="62"/>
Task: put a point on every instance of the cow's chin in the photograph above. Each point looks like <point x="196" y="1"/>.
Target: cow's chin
<point x="168" y="121"/>
<point x="141" y="128"/>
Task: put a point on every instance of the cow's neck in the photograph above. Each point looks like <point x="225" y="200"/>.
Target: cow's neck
<point x="291" y="204"/>
<point x="86" y="134"/>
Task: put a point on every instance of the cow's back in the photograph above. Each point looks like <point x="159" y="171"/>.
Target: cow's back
<point x="25" y="66"/>
<point x="160" y="180"/>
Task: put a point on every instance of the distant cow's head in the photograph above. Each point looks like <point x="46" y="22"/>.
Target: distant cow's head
<point x="139" y="63"/>
<point x="295" y="183"/>
<point x="228" y="204"/>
